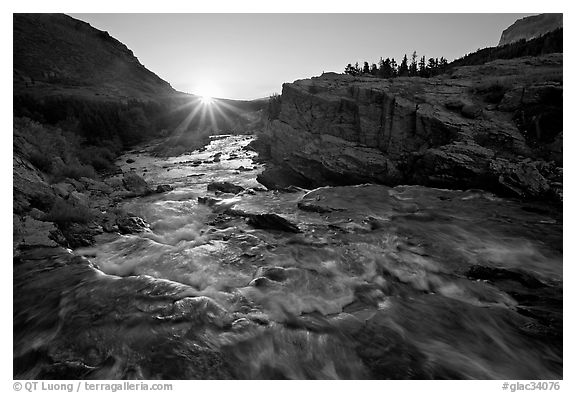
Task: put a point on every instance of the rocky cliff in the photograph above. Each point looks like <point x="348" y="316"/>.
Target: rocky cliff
<point x="497" y="126"/>
<point x="531" y="27"/>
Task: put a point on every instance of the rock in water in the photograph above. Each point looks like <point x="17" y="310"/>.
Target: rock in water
<point x="225" y="187"/>
<point x="272" y="221"/>
<point x="131" y="224"/>
<point x="164" y="188"/>
<point x="136" y="184"/>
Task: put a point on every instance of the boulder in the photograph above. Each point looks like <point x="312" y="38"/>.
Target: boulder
<point x="63" y="189"/>
<point x="521" y="179"/>
<point x="79" y="199"/>
<point x="225" y="187"/>
<point x="131" y="224"/>
<point x="471" y="111"/>
<point x="272" y="221"/>
<point x="80" y="234"/>
<point x="208" y="200"/>
<point x="135" y="184"/>
<point x="115" y="183"/>
<point x="29" y="187"/>
<point x="163" y="188"/>
<point x="29" y="232"/>
<point x="100" y="187"/>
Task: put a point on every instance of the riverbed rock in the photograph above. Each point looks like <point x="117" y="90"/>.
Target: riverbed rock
<point x="135" y="184"/>
<point x="80" y="234"/>
<point x="272" y="221"/>
<point x="29" y="232"/>
<point x="163" y="188"/>
<point x="208" y="200"/>
<point x="131" y="224"/>
<point x="225" y="187"/>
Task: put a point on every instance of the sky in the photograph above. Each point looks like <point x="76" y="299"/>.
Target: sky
<point x="248" y="56"/>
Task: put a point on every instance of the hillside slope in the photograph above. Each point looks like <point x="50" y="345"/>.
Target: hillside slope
<point x="57" y="54"/>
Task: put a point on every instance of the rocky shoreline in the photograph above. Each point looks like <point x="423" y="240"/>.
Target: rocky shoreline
<point x="71" y="213"/>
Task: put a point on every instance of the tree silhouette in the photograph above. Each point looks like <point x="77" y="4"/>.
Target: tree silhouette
<point x="422" y="70"/>
<point x="413" y="69"/>
<point x="349" y="70"/>
<point x="366" y="68"/>
<point x="403" y="68"/>
<point x="394" y="68"/>
<point x="417" y="67"/>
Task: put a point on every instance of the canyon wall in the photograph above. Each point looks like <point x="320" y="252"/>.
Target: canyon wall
<point x="497" y="126"/>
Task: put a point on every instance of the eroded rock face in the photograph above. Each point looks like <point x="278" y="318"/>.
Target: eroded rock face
<point x="446" y="131"/>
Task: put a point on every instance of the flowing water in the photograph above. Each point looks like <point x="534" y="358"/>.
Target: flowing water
<point x="397" y="283"/>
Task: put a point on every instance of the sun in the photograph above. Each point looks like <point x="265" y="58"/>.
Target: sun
<point x="206" y="91"/>
<point x="206" y="99"/>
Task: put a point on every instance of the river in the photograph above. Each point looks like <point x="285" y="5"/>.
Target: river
<point x="373" y="282"/>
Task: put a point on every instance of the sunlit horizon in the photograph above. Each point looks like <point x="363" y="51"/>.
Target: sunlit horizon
<point x="250" y="56"/>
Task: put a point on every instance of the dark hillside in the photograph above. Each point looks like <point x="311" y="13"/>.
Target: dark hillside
<point x="57" y="54"/>
<point x="548" y="43"/>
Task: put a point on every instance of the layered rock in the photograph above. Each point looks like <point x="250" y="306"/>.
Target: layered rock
<point x="478" y="127"/>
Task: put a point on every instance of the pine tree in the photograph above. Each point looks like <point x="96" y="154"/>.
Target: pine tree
<point x="413" y="70"/>
<point x="387" y="71"/>
<point x="431" y="67"/>
<point x="422" y="71"/>
<point x="381" y="72"/>
<point x="393" y="68"/>
<point x="366" y="68"/>
<point x="403" y="68"/>
<point x="442" y="64"/>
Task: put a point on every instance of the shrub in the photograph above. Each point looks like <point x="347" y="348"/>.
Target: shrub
<point x="99" y="157"/>
<point x="73" y="171"/>
<point x="63" y="212"/>
<point x="41" y="161"/>
<point x="492" y="91"/>
<point x="274" y="106"/>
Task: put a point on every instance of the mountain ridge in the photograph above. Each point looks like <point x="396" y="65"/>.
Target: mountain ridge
<point x="531" y="27"/>
<point x="57" y="54"/>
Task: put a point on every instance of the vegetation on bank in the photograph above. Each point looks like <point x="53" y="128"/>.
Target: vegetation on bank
<point x="274" y="106"/>
<point x="420" y="66"/>
<point x="61" y="154"/>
